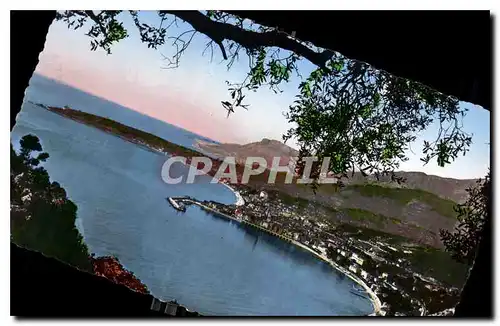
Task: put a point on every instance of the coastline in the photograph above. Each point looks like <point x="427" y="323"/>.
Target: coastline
<point x="377" y="305"/>
<point x="239" y="199"/>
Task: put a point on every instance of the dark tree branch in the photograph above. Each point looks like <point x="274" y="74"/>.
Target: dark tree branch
<point x="221" y="46"/>
<point x="219" y="32"/>
<point x="96" y="19"/>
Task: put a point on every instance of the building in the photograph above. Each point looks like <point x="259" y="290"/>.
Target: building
<point x="357" y="259"/>
<point x="276" y="227"/>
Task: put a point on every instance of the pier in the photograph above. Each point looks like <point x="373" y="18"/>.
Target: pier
<point x="177" y="203"/>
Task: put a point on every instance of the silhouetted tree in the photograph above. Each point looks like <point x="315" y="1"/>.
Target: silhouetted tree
<point x="360" y="117"/>
<point x="42" y="217"/>
<point x="463" y="242"/>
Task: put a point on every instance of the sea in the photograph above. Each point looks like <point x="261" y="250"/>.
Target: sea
<point x="207" y="264"/>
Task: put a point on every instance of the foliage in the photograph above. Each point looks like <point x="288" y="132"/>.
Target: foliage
<point x="362" y="118"/>
<point x="42" y="217"/>
<point x="439" y="264"/>
<point x="464" y="241"/>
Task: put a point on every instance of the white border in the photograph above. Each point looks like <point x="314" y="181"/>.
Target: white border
<point x="198" y="4"/>
<point x="260" y="4"/>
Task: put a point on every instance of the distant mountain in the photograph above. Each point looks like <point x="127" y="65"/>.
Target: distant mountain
<point x="448" y="188"/>
<point x="266" y="148"/>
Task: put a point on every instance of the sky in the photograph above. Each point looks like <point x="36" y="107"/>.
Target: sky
<point x="190" y="96"/>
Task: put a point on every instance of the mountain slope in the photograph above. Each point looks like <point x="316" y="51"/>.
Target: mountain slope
<point x="417" y="209"/>
<point x="266" y="148"/>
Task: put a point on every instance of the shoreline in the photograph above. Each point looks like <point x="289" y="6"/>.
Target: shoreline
<point x="239" y="199"/>
<point x="377" y="305"/>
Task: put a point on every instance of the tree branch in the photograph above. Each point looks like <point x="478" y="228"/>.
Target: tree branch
<point x="92" y="16"/>
<point x="219" y="32"/>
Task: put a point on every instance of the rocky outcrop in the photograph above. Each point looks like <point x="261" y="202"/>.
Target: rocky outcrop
<point x="110" y="268"/>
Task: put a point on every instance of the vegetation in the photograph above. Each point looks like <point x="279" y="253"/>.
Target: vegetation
<point x="444" y="207"/>
<point x="364" y="215"/>
<point x="439" y="264"/>
<point x="463" y="242"/>
<point x="360" y="117"/>
<point x="42" y="217"/>
<point x="428" y="261"/>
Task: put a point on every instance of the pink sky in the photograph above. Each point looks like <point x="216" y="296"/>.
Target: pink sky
<point x="189" y="96"/>
<point x="171" y="106"/>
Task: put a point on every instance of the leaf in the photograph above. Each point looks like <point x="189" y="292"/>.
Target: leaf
<point x="239" y="100"/>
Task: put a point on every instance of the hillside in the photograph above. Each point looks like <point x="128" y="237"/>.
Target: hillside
<point x="417" y="209"/>
<point x="448" y="188"/>
<point x="266" y="148"/>
<point x="453" y="189"/>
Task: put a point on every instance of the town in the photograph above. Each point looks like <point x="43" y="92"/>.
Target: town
<point x="383" y="264"/>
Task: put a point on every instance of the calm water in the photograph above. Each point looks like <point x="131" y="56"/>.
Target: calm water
<point x="207" y="264"/>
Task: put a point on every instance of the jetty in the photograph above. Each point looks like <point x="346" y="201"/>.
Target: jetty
<point x="177" y="203"/>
